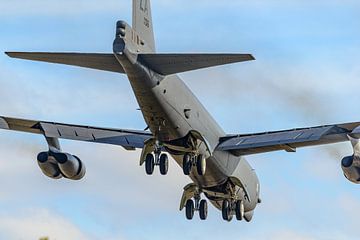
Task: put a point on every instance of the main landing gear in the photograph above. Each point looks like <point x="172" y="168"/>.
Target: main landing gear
<point x="156" y="159"/>
<point x="190" y="161"/>
<point x="232" y="205"/>
<point x="196" y="204"/>
<point x="231" y="208"/>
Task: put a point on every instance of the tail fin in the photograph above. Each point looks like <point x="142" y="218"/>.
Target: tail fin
<point x="142" y="21"/>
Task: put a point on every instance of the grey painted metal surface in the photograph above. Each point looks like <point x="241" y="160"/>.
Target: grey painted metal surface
<point x="99" y="61"/>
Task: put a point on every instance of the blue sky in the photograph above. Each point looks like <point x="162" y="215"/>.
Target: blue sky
<point x="306" y="74"/>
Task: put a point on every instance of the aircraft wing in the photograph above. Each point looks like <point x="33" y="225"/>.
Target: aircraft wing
<point x="288" y="140"/>
<point x="128" y="139"/>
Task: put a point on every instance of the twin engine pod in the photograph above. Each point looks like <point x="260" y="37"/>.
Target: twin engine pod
<point x="351" y="168"/>
<point x="351" y="164"/>
<point x="57" y="165"/>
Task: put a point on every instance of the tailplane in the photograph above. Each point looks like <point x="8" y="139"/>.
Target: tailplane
<point x="142" y="22"/>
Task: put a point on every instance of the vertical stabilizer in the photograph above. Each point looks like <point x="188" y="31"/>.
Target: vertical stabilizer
<point x="142" y="21"/>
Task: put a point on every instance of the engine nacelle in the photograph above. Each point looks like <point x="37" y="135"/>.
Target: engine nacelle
<point x="70" y="166"/>
<point x="49" y="166"/>
<point x="351" y="168"/>
<point x="57" y="164"/>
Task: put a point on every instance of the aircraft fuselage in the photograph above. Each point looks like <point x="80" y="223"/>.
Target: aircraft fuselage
<point x="171" y="111"/>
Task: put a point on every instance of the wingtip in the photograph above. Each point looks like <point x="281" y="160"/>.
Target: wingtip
<point x="10" y="54"/>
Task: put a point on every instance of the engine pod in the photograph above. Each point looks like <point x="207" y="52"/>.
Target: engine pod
<point x="70" y="166"/>
<point x="48" y="166"/>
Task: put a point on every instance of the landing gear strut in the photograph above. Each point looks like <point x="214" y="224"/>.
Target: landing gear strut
<point x="197" y="161"/>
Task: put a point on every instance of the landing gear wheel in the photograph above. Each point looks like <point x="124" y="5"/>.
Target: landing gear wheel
<point x="187" y="164"/>
<point x="149" y="164"/>
<point x="226" y="210"/>
<point x="164" y="164"/>
<point x="203" y="210"/>
<point x="201" y="165"/>
<point x="239" y="210"/>
<point x="189" y="209"/>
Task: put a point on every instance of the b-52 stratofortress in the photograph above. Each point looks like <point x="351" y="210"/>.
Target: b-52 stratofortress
<point x="178" y="125"/>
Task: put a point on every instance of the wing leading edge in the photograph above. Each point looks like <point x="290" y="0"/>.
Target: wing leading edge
<point x="288" y="140"/>
<point x="129" y="139"/>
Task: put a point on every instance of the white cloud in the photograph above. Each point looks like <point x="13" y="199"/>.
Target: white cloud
<point x="36" y="223"/>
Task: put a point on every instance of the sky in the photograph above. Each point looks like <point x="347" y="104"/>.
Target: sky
<point x="306" y="74"/>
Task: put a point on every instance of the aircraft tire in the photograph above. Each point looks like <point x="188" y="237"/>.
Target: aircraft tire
<point x="226" y="211"/>
<point x="201" y="165"/>
<point x="187" y="164"/>
<point x="189" y="209"/>
<point x="164" y="164"/>
<point x="149" y="164"/>
<point x="203" y="210"/>
<point x="239" y="210"/>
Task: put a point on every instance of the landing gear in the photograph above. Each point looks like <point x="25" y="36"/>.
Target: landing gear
<point x="149" y="164"/>
<point x="189" y="209"/>
<point x="190" y="161"/>
<point x="192" y="202"/>
<point x="187" y="164"/>
<point x="164" y="164"/>
<point x="229" y="208"/>
<point x="159" y="160"/>
<point x="194" y="205"/>
<point x="203" y="209"/>
<point x="226" y="211"/>
<point x="239" y="210"/>
<point x="201" y="165"/>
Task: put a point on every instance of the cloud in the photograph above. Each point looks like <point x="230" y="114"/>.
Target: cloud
<point x="36" y="223"/>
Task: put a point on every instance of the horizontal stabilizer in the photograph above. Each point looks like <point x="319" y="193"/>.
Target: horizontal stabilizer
<point x="167" y="64"/>
<point x="99" y="61"/>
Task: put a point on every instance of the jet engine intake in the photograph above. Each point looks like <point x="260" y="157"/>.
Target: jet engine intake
<point x="48" y="166"/>
<point x="351" y="164"/>
<point x="351" y="168"/>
